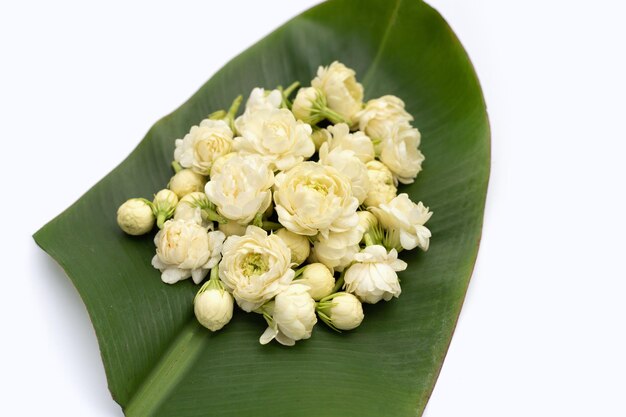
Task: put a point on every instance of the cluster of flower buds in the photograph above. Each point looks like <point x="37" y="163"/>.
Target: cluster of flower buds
<point x="291" y="208"/>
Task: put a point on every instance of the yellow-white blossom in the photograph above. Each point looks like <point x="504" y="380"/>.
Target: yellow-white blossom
<point x="242" y="188"/>
<point x="357" y="142"/>
<point x="367" y="221"/>
<point x="318" y="278"/>
<point x="373" y="276"/>
<point x="347" y="163"/>
<point x="312" y="198"/>
<point x="320" y="136"/>
<point x="261" y="99"/>
<point x="216" y="168"/>
<point x="213" y="306"/>
<point x="400" y="153"/>
<point x="343" y="311"/>
<point x="343" y="93"/>
<point x="338" y="249"/>
<point x="255" y="267"/>
<point x="381" y="115"/>
<point x="293" y="316"/>
<point x="203" y="145"/>
<point x="185" y="249"/>
<point x="404" y="221"/>
<point x="232" y="228"/>
<point x="298" y="244"/>
<point x="306" y="103"/>
<point x="275" y="135"/>
<point x="190" y="208"/>
<point x="135" y="217"/>
<point x="186" y="181"/>
<point x="163" y="205"/>
<point x="382" y="188"/>
<point x="311" y="107"/>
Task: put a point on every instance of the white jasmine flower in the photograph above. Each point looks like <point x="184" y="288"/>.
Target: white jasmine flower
<point x="255" y="267"/>
<point x="404" y="221"/>
<point x="347" y="163"/>
<point x="310" y="106"/>
<point x="242" y="188"/>
<point x="186" y="181"/>
<point x="341" y="311"/>
<point x="298" y="244"/>
<point x="218" y="164"/>
<point x="367" y="221"/>
<point x="212" y="305"/>
<point x="135" y="217"/>
<point x="319" y="279"/>
<point x="203" y="145"/>
<point x="261" y="99"/>
<point x="184" y="249"/>
<point x="343" y="93"/>
<point x="357" y="142"/>
<point x="373" y="277"/>
<point x="232" y="228"/>
<point x="382" y="188"/>
<point x="306" y="104"/>
<point x="338" y="249"/>
<point x="381" y="115"/>
<point x="400" y="153"/>
<point x="319" y="136"/>
<point x="190" y="208"/>
<point x="293" y="316"/>
<point x="276" y="136"/>
<point x="312" y="198"/>
<point x="163" y="205"/>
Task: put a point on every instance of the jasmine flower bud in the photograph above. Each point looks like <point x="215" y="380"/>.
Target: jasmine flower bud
<point x="213" y="306"/>
<point x="190" y="208"/>
<point x="232" y="228"/>
<point x="319" y="137"/>
<point x="310" y="106"/>
<point x="341" y="311"/>
<point x="299" y="245"/>
<point x="135" y="217"/>
<point x="367" y="221"/>
<point x="186" y="181"/>
<point x="163" y="206"/>
<point x="319" y="279"/>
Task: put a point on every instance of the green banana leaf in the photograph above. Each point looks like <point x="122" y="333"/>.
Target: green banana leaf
<point x="160" y="362"/>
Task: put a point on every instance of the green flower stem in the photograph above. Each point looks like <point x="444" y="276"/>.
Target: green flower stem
<point x="270" y="226"/>
<point x="176" y="167"/>
<point x="339" y="282"/>
<point x="299" y="272"/>
<point x="215" y="276"/>
<point x="287" y="91"/>
<point x="232" y="111"/>
<point x="258" y="220"/>
<point x="212" y="283"/>
<point x="214" y="216"/>
<point x="234" y="107"/>
<point x="333" y="116"/>
<point x="322" y="308"/>
<point x="161" y="218"/>
<point x="217" y="115"/>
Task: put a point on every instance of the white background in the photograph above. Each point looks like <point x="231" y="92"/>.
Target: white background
<point x="542" y="332"/>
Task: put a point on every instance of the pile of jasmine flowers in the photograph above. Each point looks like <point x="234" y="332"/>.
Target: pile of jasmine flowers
<point x="291" y="209"/>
